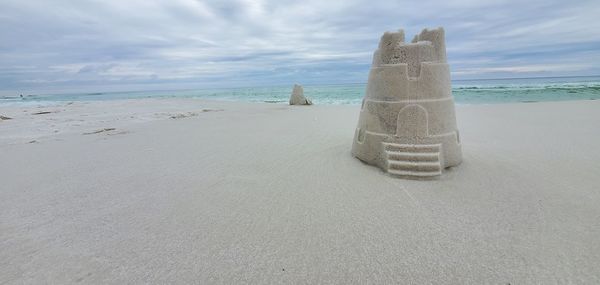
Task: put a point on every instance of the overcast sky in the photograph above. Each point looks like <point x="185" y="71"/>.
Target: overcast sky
<point x="86" y="46"/>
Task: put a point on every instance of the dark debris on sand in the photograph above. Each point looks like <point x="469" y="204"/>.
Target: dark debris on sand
<point x="100" y="131"/>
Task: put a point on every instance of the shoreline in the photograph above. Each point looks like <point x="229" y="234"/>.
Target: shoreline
<point x="90" y="116"/>
<point x="26" y="102"/>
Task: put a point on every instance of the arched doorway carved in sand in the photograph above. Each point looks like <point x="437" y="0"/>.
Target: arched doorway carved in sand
<point x="412" y="122"/>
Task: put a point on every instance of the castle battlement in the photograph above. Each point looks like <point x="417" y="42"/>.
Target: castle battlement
<point x="426" y="47"/>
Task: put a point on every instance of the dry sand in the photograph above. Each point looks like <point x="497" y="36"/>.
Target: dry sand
<point x="189" y="191"/>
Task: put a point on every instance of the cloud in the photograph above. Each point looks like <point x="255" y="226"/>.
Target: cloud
<point x="62" y="45"/>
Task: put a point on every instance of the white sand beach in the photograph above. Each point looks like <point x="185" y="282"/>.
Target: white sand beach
<point x="193" y="191"/>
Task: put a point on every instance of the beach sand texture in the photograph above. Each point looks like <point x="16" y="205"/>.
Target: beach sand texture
<point x="190" y="191"/>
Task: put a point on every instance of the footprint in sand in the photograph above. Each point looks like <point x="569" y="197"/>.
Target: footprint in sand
<point x="192" y="114"/>
<point x="108" y="131"/>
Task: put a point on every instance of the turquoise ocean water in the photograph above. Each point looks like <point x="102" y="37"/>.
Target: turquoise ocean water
<point x="490" y="91"/>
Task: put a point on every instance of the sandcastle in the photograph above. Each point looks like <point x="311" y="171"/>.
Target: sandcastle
<point x="297" y="97"/>
<point x="407" y="124"/>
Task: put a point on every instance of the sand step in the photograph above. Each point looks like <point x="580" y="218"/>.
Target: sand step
<point x="413" y="160"/>
<point x="413" y="156"/>
<point x="415" y="166"/>
<point x="421" y="174"/>
<point x="411" y="147"/>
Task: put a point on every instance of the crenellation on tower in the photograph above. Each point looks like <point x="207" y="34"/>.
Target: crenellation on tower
<point x="390" y="40"/>
<point x="437" y="38"/>
<point x="428" y="46"/>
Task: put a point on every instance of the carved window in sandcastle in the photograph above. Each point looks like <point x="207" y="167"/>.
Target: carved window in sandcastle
<point x="360" y="137"/>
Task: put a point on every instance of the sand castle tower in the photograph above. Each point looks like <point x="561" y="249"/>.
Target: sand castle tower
<point x="407" y="124"/>
<point x="297" y="97"/>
